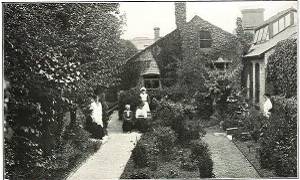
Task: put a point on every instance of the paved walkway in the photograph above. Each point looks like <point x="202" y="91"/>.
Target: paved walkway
<point x="229" y="162"/>
<point x="110" y="160"/>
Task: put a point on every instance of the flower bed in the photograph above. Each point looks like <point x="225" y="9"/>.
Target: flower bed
<point x="173" y="149"/>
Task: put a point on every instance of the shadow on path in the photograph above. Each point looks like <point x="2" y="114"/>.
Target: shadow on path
<point x="110" y="160"/>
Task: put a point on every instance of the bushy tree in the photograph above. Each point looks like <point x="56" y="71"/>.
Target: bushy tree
<point x="54" y="55"/>
<point x="282" y="68"/>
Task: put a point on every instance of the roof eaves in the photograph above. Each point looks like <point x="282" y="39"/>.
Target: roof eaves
<point x="150" y="46"/>
<point x="273" y="18"/>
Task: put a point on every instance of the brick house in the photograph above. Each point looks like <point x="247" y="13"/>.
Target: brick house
<point x="156" y="65"/>
<point x="267" y="34"/>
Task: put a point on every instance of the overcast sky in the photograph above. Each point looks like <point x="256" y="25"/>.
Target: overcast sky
<point x="142" y="17"/>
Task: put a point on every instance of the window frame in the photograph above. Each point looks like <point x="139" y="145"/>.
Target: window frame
<point x="205" y="39"/>
<point x="149" y="80"/>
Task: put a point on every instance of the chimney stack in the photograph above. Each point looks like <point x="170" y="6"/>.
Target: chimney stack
<point x="180" y="14"/>
<point x="252" y="18"/>
<point x="156" y="33"/>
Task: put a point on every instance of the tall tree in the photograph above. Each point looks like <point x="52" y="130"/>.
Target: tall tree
<point x="54" y="54"/>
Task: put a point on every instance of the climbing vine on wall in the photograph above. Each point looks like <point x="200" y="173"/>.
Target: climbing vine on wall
<point x="282" y="68"/>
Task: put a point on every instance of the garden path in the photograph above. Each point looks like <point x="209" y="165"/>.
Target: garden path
<point x="229" y="162"/>
<point x="110" y="160"/>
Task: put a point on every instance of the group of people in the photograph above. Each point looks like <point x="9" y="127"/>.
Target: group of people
<point x="96" y="122"/>
<point x="141" y="113"/>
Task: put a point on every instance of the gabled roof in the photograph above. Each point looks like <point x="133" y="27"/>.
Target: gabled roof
<point x="150" y="66"/>
<point x="273" y="18"/>
<point x="194" y="19"/>
<point x="259" y="49"/>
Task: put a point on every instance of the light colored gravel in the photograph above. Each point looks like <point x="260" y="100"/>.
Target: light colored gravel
<point x="229" y="162"/>
<point x="110" y="160"/>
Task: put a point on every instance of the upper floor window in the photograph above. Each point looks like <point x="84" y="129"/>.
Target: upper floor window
<point x="262" y="34"/>
<point x="205" y="39"/>
<point x="281" y="24"/>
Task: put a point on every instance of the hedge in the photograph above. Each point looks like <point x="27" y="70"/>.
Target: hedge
<point x="282" y="68"/>
<point x="279" y="143"/>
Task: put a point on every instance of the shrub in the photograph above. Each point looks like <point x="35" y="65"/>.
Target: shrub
<point x="202" y="156"/>
<point x="164" y="140"/>
<point x="282" y="68"/>
<point x="139" y="155"/>
<point x="190" y="130"/>
<point x="279" y="143"/>
<point x="139" y="175"/>
<point x="204" y="105"/>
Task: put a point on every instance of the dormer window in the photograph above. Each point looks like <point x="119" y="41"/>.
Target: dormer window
<point x="269" y="30"/>
<point x="281" y="24"/>
<point x="262" y="34"/>
<point x="205" y="39"/>
<point x="220" y="64"/>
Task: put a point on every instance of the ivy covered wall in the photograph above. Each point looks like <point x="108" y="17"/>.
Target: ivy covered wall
<point x="167" y="54"/>
<point x="224" y="44"/>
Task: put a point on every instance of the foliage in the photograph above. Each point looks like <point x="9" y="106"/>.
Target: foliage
<point x="167" y="53"/>
<point x="139" y="155"/>
<point x="181" y="118"/>
<point x="164" y="140"/>
<point x="139" y="175"/>
<point x="48" y="50"/>
<point x="131" y="97"/>
<point x="282" y="68"/>
<point x="245" y="38"/>
<point x="202" y="156"/>
<point x="279" y="140"/>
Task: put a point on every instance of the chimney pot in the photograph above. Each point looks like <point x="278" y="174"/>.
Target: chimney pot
<point x="156" y="33"/>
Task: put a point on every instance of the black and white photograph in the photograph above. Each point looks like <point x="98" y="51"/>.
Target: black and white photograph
<point x="149" y="90"/>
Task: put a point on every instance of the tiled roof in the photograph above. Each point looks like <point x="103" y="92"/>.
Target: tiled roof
<point x="273" y="18"/>
<point x="150" y="64"/>
<point x="259" y="49"/>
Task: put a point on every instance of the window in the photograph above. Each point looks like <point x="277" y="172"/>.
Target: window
<point x="205" y="39"/>
<point x="256" y="35"/>
<point x="151" y="83"/>
<point x="287" y="20"/>
<point x="265" y="34"/>
<point x="260" y="34"/>
<point x="281" y="24"/>
<point x="275" y="28"/>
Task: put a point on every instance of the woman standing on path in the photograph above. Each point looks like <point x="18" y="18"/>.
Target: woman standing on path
<point x="96" y="123"/>
<point x="145" y="98"/>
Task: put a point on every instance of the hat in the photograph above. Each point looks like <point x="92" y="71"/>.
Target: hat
<point x="143" y="89"/>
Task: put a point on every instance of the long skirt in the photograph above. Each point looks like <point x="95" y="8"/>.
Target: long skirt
<point x="127" y="126"/>
<point x="146" y="107"/>
<point x="96" y="130"/>
<point x="141" y="125"/>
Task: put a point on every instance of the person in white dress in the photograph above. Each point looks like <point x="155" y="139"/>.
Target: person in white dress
<point x="145" y="98"/>
<point x="267" y="106"/>
<point x="94" y="123"/>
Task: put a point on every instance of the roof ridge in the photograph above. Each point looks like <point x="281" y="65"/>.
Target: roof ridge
<point x="272" y="18"/>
